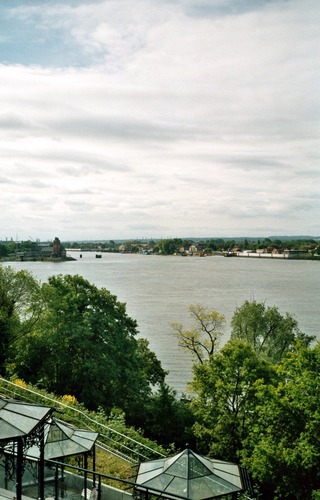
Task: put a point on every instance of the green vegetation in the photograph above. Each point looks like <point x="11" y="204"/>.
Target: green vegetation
<point x="83" y="343"/>
<point x="69" y="337"/>
<point x="255" y="401"/>
<point x="227" y="395"/>
<point x="270" y="333"/>
<point x="264" y="415"/>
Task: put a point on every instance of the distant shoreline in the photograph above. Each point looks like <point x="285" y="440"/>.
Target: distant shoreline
<point x="242" y="255"/>
<point x="276" y="256"/>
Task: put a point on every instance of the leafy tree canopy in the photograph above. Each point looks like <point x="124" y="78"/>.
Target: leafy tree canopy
<point x="283" y="448"/>
<point x="227" y="388"/>
<point x="86" y="345"/>
<point x="269" y="332"/>
<point x="20" y="308"/>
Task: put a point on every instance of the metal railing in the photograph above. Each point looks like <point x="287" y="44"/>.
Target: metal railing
<point x="110" y="440"/>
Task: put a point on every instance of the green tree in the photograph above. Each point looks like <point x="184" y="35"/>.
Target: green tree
<point x="227" y="388"/>
<point x="202" y="339"/>
<point x="168" y="247"/>
<point x="270" y="333"/>
<point x="282" y="451"/>
<point x="3" y="250"/>
<point x="168" y="420"/>
<point x="86" y="346"/>
<point x="20" y="309"/>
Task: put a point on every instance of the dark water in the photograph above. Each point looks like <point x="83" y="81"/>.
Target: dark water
<point x="158" y="291"/>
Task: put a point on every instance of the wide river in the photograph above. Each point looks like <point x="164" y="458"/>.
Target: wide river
<point x="158" y="291"/>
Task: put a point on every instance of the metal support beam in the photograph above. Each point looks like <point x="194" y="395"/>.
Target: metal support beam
<point x="19" y="471"/>
<point x="41" y="466"/>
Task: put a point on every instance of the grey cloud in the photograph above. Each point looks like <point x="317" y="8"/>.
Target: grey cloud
<point x="20" y="126"/>
<point x="79" y="205"/>
<point x="251" y="162"/>
<point x="74" y="164"/>
<point x="141" y="228"/>
<point x="219" y="8"/>
<point x="29" y="200"/>
<point x="80" y="191"/>
<point x="13" y="121"/>
<point x="36" y="183"/>
<point x="126" y="129"/>
<point x="7" y="180"/>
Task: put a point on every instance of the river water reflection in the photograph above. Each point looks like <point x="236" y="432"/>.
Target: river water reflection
<point x="158" y="291"/>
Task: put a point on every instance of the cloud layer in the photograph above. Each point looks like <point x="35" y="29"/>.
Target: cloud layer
<point x="159" y="118"/>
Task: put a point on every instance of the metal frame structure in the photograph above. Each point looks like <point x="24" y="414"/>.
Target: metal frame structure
<point x="21" y="427"/>
<point x="189" y="476"/>
<point x="30" y="435"/>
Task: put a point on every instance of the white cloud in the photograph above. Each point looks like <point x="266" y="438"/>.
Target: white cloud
<point x="189" y="118"/>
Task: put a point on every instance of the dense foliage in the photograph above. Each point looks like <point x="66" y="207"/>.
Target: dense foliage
<point x="70" y="337"/>
<point x="227" y="388"/>
<point x="263" y="415"/>
<point x="269" y="332"/>
<point x="257" y="401"/>
<point x="283" y="448"/>
<point x="20" y="310"/>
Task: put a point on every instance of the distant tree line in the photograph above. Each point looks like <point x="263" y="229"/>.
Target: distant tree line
<point x="177" y="245"/>
<point x="170" y="246"/>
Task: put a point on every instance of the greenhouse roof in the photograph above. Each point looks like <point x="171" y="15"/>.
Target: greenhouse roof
<point x="20" y="419"/>
<point x="61" y="440"/>
<point x="190" y="476"/>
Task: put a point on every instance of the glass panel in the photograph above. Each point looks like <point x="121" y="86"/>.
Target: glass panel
<point x="179" y="467"/>
<point x="32" y="411"/>
<point x="22" y="423"/>
<point x="69" y="431"/>
<point x="84" y="440"/>
<point x="169" y="461"/>
<point x="228" y="471"/>
<point x="178" y="486"/>
<point x="7" y="431"/>
<point x="159" y="483"/>
<point x="55" y="434"/>
<point x="210" y="486"/>
<point x="156" y="466"/>
<point x="196" y="468"/>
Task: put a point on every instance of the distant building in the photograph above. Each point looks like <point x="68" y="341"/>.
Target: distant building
<point x="58" y="250"/>
<point x="44" y="251"/>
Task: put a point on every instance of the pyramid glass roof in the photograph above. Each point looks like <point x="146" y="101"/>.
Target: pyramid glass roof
<point x="62" y="440"/>
<point x="190" y="476"/>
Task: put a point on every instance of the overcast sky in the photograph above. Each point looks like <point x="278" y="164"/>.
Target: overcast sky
<point x="159" y="118"/>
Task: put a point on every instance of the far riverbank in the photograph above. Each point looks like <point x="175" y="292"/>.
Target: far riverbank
<point x="271" y="255"/>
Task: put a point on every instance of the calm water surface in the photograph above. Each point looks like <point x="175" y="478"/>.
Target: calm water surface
<point x="158" y="291"/>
